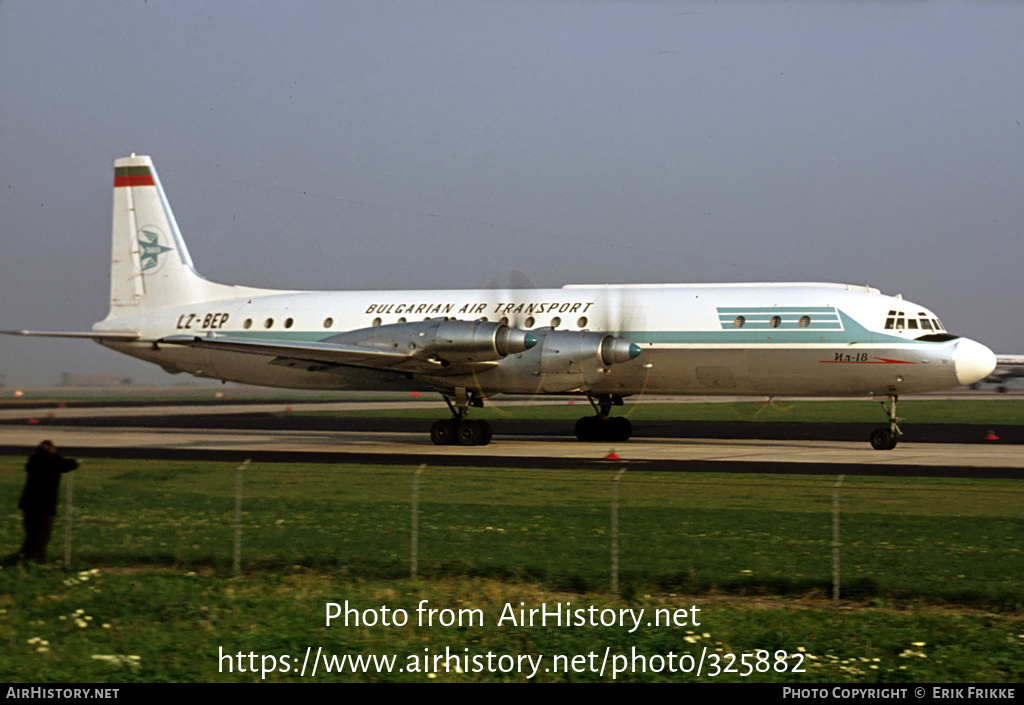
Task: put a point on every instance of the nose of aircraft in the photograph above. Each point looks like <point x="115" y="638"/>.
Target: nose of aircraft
<point x="972" y="361"/>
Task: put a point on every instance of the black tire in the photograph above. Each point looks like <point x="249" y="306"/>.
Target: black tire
<point x="619" y="429"/>
<point x="469" y="433"/>
<point x="487" y="433"/>
<point x="883" y="439"/>
<point x="586" y="429"/>
<point x="442" y="433"/>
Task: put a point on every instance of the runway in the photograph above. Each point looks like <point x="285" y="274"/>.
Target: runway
<point x="236" y="432"/>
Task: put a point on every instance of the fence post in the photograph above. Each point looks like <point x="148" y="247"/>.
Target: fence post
<point x="237" y="562"/>
<point x="414" y="548"/>
<point x="615" y="531"/>
<point x="835" y="541"/>
<point x="69" y="488"/>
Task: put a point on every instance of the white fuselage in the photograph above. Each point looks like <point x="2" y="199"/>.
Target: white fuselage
<point x="736" y="339"/>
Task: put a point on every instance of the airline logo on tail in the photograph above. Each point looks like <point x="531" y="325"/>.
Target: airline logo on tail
<point x="150" y="248"/>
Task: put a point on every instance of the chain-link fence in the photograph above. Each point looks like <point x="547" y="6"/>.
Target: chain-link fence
<point x="861" y="537"/>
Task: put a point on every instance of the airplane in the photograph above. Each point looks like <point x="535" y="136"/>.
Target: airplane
<point x="1007" y="368"/>
<point x="604" y="342"/>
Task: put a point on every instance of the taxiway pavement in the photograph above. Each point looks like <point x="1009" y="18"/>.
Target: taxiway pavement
<point x="227" y="432"/>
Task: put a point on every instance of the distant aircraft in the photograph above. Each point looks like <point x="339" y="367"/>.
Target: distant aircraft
<point x="1007" y="367"/>
<point x="606" y="342"/>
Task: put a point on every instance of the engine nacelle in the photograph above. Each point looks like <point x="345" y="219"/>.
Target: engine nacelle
<point x="447" y="341"/>
<point x="562" y="361"/>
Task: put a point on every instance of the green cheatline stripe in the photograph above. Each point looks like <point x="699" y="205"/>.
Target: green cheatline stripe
<point x="121" y="171"/>
<point x="792" y="325"/>
<point x="723" y="317"/>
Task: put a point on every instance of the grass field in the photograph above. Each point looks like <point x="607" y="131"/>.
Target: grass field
<point x="933" y="562"/>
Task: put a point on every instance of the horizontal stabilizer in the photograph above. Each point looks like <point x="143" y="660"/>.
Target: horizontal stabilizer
<point x="93" y="334"/>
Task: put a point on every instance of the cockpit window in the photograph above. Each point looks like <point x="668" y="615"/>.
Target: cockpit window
<point x="898" y="320"/>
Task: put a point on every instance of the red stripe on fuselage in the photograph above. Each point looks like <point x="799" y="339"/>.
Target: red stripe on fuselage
<point x="876" y="361"/>
<point x="143" y="180"/>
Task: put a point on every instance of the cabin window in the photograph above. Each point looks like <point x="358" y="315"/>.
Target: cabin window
<point x="890" y="323"/>
<point x="582" y="323"/>
<point x="248" y="324"/>
<point x="804" y="321"/>
<point x="402" y="319"/>
<point x="739" y="321"/>
<point x="912" y="323"/>
<point x="268" y="323"/>
<point x="328" y="322"/>
<point x="899" y="324"/>
<point x="555" y="322"/>
<point x="926" y="324"/>
<point x="775" y="321"/>
<point x="376" y="322"/>
<point x="938" y="324"/>
<point x="504" y="319"/>
<point x="529" y="322"/>
<point x="288" y="322"/>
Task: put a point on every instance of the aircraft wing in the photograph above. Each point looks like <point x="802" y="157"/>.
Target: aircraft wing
<point x="123" y="335"/>
<point x="432" y="347"/>
<point x="335" y="354"/>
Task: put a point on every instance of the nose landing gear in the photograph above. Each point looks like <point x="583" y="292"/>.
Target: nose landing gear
<point x="887" y="438"/>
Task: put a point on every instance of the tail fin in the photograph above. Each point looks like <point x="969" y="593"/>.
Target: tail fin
<point x="150" y="266"/>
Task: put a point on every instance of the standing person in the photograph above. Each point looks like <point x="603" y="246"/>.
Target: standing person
<point x="39" y="498"/>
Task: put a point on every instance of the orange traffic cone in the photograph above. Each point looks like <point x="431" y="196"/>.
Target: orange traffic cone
<point x="613" y="456"/>
<point x="991" y="436"/>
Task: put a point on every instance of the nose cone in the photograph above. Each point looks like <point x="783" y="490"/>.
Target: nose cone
<point x="511" y="341"/>
<point x="615" y="350"/>
<point x="972" y="361"/>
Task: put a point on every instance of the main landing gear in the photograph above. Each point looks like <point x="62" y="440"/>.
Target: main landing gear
<point x="887" y="438"/>
<point x="459" y="429"/>
<point x="601" y="426"/>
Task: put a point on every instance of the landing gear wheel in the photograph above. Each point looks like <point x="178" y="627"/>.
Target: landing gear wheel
<point x="469" y="433"/>
<point x="586" y="430"/>
<point x="442" y="433"/>
<point x="883" y="439"/>
<point x="619" y="429"/>
<point x="487" y="432"/>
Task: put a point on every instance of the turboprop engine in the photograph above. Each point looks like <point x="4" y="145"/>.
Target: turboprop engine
<point x="562" y="361"/>
<point x="444" y="341"/>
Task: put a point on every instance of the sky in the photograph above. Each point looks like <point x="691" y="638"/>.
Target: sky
<point x="390" y="145"/>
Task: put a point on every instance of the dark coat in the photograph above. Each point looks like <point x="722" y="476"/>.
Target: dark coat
<point x="44" y="470"/>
